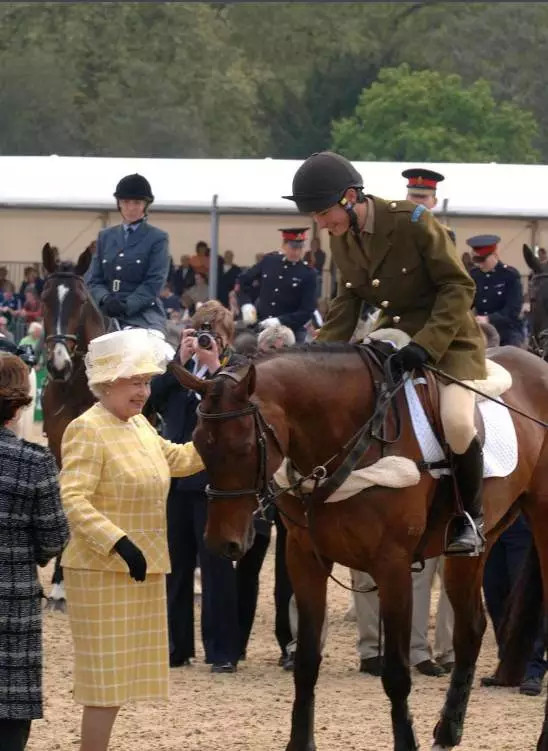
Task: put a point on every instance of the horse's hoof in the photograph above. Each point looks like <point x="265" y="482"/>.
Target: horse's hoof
<point x="437" y="747"/>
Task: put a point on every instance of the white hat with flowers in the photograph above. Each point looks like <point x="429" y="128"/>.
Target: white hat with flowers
<point x="124" y="354"/>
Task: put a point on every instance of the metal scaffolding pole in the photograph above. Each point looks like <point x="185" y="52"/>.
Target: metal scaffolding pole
<point x="214" y="249"/>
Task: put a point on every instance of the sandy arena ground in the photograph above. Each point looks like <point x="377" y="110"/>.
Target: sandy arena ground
<point x="250" y="710"/>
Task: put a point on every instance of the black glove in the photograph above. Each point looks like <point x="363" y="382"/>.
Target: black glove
<point x="27" y="354"/>
<point x="132" y="555"/>
<point x="408" y="358"/>
<point x="114" y="306"/>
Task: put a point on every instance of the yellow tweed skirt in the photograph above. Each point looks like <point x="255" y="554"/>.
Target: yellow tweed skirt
<point x="119" y="631"/>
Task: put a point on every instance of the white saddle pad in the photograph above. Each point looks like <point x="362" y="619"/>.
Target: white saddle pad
<point x="500" y="452"/>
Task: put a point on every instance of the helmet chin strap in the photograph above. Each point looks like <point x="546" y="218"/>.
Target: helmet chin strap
<point x="348" y="206"/>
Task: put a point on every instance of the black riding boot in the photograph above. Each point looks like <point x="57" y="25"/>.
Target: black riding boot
<point x="465" y="535"/>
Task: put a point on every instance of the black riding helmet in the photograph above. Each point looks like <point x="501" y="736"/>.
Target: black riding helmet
<point x="322" y="180"/>
<point x="134" y="187"/>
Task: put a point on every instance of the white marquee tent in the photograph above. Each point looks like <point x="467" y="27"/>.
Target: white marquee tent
<point x="256" y="185"/>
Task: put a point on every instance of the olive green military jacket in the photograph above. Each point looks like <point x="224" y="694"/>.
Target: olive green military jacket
<point x="409" y="268"/>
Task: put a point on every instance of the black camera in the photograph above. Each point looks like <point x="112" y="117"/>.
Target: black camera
<point x="204" y="337"/>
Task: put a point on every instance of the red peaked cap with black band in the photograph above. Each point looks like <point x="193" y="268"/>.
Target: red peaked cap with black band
<point x="421" y="180"/>
<point x="294" y="234"/>
<point x="483" y="245"/>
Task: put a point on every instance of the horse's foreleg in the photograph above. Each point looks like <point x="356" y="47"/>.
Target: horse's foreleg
<point x="309" y="580"/>
<point x="463" y="577"/>
<point x="395" y="595"/>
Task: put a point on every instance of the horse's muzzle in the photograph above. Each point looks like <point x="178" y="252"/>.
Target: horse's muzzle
<point x="233" y="549"/>
<point x="57" y="374"/>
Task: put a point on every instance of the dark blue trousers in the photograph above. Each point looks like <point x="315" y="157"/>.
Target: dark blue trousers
<point x="186" y="521"/>
<point x="229" y="593"/>
<point x="501" y="570"/>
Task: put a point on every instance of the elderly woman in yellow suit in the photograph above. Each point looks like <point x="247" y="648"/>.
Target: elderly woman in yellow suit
<point x="114" y="484"/>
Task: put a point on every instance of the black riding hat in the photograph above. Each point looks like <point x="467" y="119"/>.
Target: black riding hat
<point x="321" y="181"/>
<point x="134" y="187"/>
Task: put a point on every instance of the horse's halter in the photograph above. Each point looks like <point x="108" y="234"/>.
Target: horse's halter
<point x="263" y="490"/>
<point x="62" y="338"/>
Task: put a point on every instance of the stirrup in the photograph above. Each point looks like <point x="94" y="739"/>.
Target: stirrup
<point x="479" y="543"/>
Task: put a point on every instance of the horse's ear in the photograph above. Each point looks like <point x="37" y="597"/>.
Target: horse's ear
<point x="531" y="260"/>
<point x="49" y="258"/>
<point x="246" y="378"/>
<point x="186" y="379"/>
<point x="82" y="264"/>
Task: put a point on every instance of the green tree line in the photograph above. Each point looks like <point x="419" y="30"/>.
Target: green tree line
<point x="457" y="81"/>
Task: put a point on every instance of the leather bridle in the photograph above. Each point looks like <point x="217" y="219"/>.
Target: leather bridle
<point x="76" y="351"/>
<point x="263" y="489"/>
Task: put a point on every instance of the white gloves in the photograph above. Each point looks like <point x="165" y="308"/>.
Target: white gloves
<point x="270" y="321"/>
<point x="249" y="313"/>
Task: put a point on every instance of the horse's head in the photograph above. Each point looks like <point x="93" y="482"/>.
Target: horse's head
<point x="538" y="296"/>
<point x="64" y="297"/>
<point x="240" y="450"/>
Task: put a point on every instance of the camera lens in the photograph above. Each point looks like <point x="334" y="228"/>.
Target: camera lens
<point x="205" y="341"/>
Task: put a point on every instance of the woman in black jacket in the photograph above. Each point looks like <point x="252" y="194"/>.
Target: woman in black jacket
<point x="229" y="596"/>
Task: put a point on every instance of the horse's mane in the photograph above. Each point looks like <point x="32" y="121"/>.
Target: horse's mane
<point x="314" y="349"/>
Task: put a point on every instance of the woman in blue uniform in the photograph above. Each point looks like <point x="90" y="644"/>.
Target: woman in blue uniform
<point x="131" y="264"/>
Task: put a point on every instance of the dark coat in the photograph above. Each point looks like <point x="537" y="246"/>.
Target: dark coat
<point x="287" y="290"/>
<point x="180" y="281"/>
<point x="409" y="268"/>
<point x="226" y="282"/>
<point x="178" y="406"/>
<point x="499" y="295"/>
<point x="135" y="268"/>
<point x="33" y="529"/>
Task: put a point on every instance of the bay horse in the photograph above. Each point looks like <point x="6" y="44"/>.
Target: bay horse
<point x="305" y="403"/>
<point x="71" y="320"/>
<point x="538" y="296"/>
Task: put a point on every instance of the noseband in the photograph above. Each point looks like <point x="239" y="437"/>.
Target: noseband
<point x="263" y="490"/>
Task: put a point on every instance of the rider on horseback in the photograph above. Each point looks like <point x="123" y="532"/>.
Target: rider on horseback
<point x="396" y="256"/>
<point x="131" y="263"/>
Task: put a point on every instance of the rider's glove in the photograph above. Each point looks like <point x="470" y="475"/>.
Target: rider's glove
<point x="114" y="306"/>
<point x="409" y="357"/>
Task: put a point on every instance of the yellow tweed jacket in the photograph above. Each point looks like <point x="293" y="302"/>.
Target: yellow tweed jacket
<point x="114" y="482"/>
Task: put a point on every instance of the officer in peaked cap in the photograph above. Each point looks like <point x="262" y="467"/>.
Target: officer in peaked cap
<point x="422" y="185"/>
<point x="287" y="286"/>
<point x="131" y="263"/>
<point x="499" y="294"/>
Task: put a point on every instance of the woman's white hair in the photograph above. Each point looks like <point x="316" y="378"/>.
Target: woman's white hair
<point x="271" y="336"/>
<point x="98" y="389"/>
<point x="35" y="326"/>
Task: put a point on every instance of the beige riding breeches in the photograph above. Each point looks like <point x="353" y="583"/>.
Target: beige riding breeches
<point x="457" y="416"/>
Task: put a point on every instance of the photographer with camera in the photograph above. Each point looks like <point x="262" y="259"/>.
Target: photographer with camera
<point x="205" y="347"/>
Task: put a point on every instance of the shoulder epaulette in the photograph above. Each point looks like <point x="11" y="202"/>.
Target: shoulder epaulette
<point x="418" y="211"/>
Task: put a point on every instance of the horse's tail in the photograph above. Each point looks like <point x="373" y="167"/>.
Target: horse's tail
<point x="522" y="621"/>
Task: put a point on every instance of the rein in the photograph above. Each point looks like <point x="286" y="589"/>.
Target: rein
<point x="467" y="386"/>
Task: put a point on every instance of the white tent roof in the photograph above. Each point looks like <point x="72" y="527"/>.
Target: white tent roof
<point x="256" y="185"/>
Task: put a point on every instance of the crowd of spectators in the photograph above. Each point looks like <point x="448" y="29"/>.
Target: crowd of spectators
<point x="21" y="310"/>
